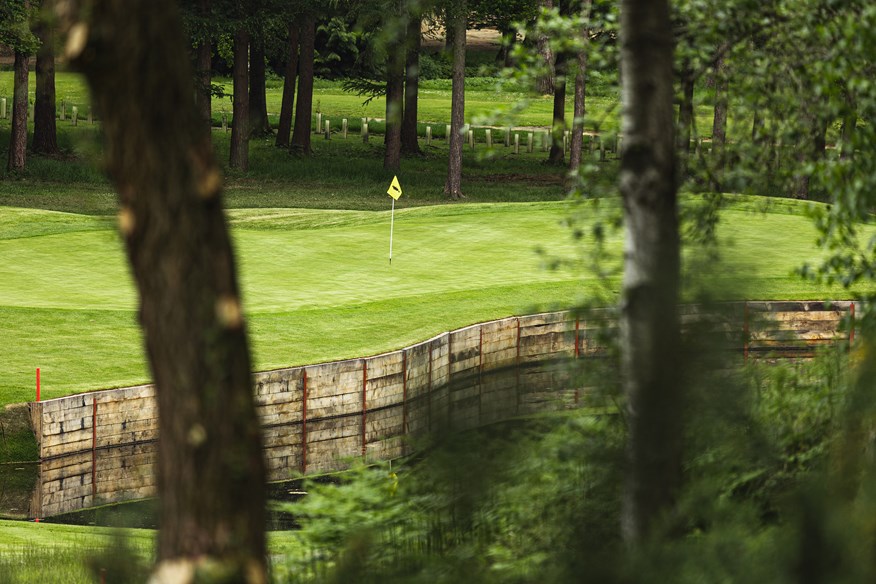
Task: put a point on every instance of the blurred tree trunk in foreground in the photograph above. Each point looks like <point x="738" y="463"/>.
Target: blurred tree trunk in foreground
<point x="649" y="324"/>
<point x="211" y="472"/>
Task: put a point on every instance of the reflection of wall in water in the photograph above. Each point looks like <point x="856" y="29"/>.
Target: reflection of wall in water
<point x="98" y="448"/>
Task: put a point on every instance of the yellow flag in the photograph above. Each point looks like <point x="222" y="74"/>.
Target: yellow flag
<point x="394" y="189"/>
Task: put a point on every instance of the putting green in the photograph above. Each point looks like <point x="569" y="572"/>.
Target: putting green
<point x="318" y="284"/>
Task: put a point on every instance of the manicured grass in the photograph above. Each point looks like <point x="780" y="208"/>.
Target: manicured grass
<point x="318" y="285"/>
<point x="73" y="554"/>
<point x="486" y="101"/>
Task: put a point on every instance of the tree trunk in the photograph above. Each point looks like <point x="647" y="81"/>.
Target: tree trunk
<point x="395" y="87"/>
<point x="545" y="83"/>
<point x="239" y="157"/>
<point x="259" y="125"/>
<point x="580" y="86"/>
<point x="505" y="56"/>
<point x="211" y="470"/>
<point x="18" y="134"/>
<point x="649" y="323"/>
<point x="410" y="144"/>
<point x="284" y="129"/>
<point x="204" y="74"/>
<point x="719" y="123"/>
<point x="45" y="135"/>
<point x="685" y="118"/>
<point x="557" y="154"/>
<point x="304" y="109"/>
<point x="847" y="132"/>
<point x="453" y="186"/>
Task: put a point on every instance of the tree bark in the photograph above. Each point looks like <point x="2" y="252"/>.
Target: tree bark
<point x="204" y="74"/>
<point x="211" y="470"/>
<point x="259" y="125"/>
<point x="685" y="118"/>
<point x="649" y="323"/>
<point x="45" y="135"/>
<point x="410" y="143"/>
<point x="505" y="56"/>
<point x="453" y="185"/>
<point x="304" y="109"/>
<point x="284" y="129"/>
<point x="719" y="122"/>
<point x="395" y="87"/>
<point x="18" y="133"/>
<point x="847" y="132"/>
<point x="239" y="156"/>
<point x="557" y="154"/>
<point x="580" y="93"/>
<point x="545" y="83"/>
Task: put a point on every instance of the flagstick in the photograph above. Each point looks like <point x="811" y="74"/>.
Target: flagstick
<point x="391" y="225"/>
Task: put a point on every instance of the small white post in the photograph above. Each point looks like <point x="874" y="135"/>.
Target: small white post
<point x="75" y="116"/>
<point x="224" y="121"/>
<point x="365" y="132"/>
<point x="516" y="143"/>
<point x="428" y="135"/>
<point x="318" y="123"/>
<point x="546" y="141"/>
<point x="471" y="139"/>
<point x="507" y="137"/>
<point x="489" y="133"/>
<point x="344" y="127"/>
<point x="529" y="142"/>
<point x="328" y="130"/>
<point x="90" y="116"/>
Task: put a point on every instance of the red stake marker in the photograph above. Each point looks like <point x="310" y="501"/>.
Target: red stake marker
<point x="38" y="384"/>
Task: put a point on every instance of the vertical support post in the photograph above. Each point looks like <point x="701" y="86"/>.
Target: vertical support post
<point x="516" y="143"/>
<point x="428" y="135"/>
<point x="529" y="142"/>
<point x="318" y="125"/>
<point x="224" y="121"/>
<point x="364" y="401"/>
<point x="328" y="130"/>
<point x="851" y="324"/>
<point x="517" y="371"/>
<point x="508" y="137"/>
<point x="489" y="134"/>
<point x="38" y="384"/>
<point x="745" y="333"/>
<point x="429" y="388"/>
<point x="404" y="391"/>
<point x="93" y="450"/>
<point x="75" y="116"/>
<point x="480" y="372"/>
<point x="304" y="426"/>
<point x="365" y="132"/>
<point x="471" y="139"/>
<point x="90" y="116"/>
<point x="447" y="133"/>
<point x="344" y="127"/>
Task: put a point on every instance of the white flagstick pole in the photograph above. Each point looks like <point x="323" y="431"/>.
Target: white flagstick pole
<point x="391" y="225"/>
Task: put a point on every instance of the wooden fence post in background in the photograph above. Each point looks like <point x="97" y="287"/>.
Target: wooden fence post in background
<point x="516" y="143"/>
<point x="529" y="142"/>
<point x="344" y="127"/>
<point x="507" y="137"/>
<point x="75" y="116"/>
<point x="318" y="125"/>
<point x="365" y="132"/>
<point x="328" y="130"/>
<point x="489" y="135"/>
<point x="471" y="139"/>
<point x="447" y="133"/>
<point x="428" y="135"/>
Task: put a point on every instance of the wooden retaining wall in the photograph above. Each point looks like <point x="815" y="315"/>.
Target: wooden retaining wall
<point x="98" y="448"/>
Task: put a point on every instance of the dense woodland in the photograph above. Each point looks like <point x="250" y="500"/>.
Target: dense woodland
<point x="700" y="471"/>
